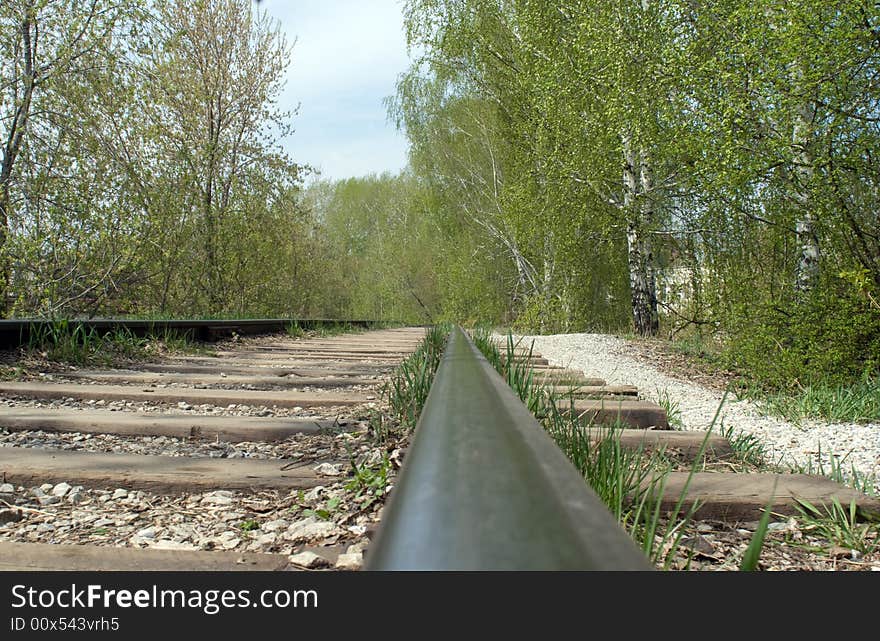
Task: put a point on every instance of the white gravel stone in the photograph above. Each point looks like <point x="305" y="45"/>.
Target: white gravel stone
<point x="604" y="356"/>
<point x="119" y="493"/>
<point x="7" y="488"/>
<point x="309" y="528"/>
<point x="328" y="469"/>
<point x="349" y="561"/>
<point x="266" y="539"/>
<point x="274" y="526"/>
<point x="172" y="545"/>
<point x="60" y="490"/>
<point x="308" y="559"/>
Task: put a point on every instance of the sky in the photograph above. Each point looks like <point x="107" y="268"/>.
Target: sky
<point x="347" y="55"/>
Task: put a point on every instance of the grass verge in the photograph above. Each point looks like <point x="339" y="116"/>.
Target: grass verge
<point x="63" y="342"/>
<point x="407" y="389"/>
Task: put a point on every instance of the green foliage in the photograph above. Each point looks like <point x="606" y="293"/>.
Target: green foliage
<point x="75" y="343"/>
<point x="145" y="177"/>
<point x="857" y="402"/>
<point x="748" y="448"/>
<point x="249" y="526"/>
<point x="840" y="525"/>
<point x="748" y="136"/>
<point x="410" y="383"/>
<point x="369" y="481"/>
<point x="752" y="555"/>
<point x="831" y="338"/>
<point x="324" y="513"/>
<point x="378" y="249"/>
<point x="65" y="341"/>
<point x="672" y="409"/>
<point x="835" y="470"/>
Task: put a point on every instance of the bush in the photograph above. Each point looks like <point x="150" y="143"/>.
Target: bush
<point x="832" y="336"/>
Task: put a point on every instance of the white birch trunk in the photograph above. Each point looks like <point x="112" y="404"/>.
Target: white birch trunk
<point x="636" y="183"/>
<point x="807" y="271"/>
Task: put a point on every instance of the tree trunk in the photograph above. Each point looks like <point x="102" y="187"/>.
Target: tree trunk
<point x="637" y="184"/>
<point x="807" y="271"/>
<point x="11" y="149"/>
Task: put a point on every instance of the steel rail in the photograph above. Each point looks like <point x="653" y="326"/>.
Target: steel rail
<point x="483" y="487"/>
<point x="17" y="332"/>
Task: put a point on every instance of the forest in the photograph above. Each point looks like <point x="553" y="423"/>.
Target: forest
<point x="702" y="171"/>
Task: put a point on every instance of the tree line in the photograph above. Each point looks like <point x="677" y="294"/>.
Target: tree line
<point x="710" y="169"/>
<point x="698" y="169"/>
<point x="140" y="165"/>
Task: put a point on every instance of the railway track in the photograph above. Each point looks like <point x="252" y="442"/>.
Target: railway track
<point x="462" y="525"/>
<point x="241" y="460"/>
<point x="228" y="461"/>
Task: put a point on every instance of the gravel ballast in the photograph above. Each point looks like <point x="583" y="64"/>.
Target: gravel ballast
<point x="611" y="358"/>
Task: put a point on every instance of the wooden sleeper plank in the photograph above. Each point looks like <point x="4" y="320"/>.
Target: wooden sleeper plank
<point x="642" y="414"/>
<point x="31" y="557"/>
<point x="161" y="474"/>
<point x="232" y="429"/>
<point x="177" y="395"/>
<point x="743" y="497"/>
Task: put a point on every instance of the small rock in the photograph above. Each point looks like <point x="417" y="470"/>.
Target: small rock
<point x="357" y="548"/>
<point x="309" y="528"/>
<point x="60" y="490"/>
<point x="274" y="526"/>
<point x="308" y="559"/>
<point x="10" y="516"/>
<point x="147" y="533"/>
<point x="349" y="561"/>
<point x="76" y="495"/>
<point x="328" y="469"/>
<point x="360" y="530"/>
<point x="315" y="493"/>
<point x="229" y="544"/>
<point x="266" y="539"/>
<point x="217" y="500"/>
<point x="164" y="544"/>
<point x="119" y="493"/>
<point x="49" y="500"/>
<point x="7" y="488"/>
<point x="184" y="406"/>
<point x="838" y="552"/>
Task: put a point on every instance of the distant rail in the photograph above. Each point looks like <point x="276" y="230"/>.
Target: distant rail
<point x="20" y="331"/>
<point x="483" y="487"/>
